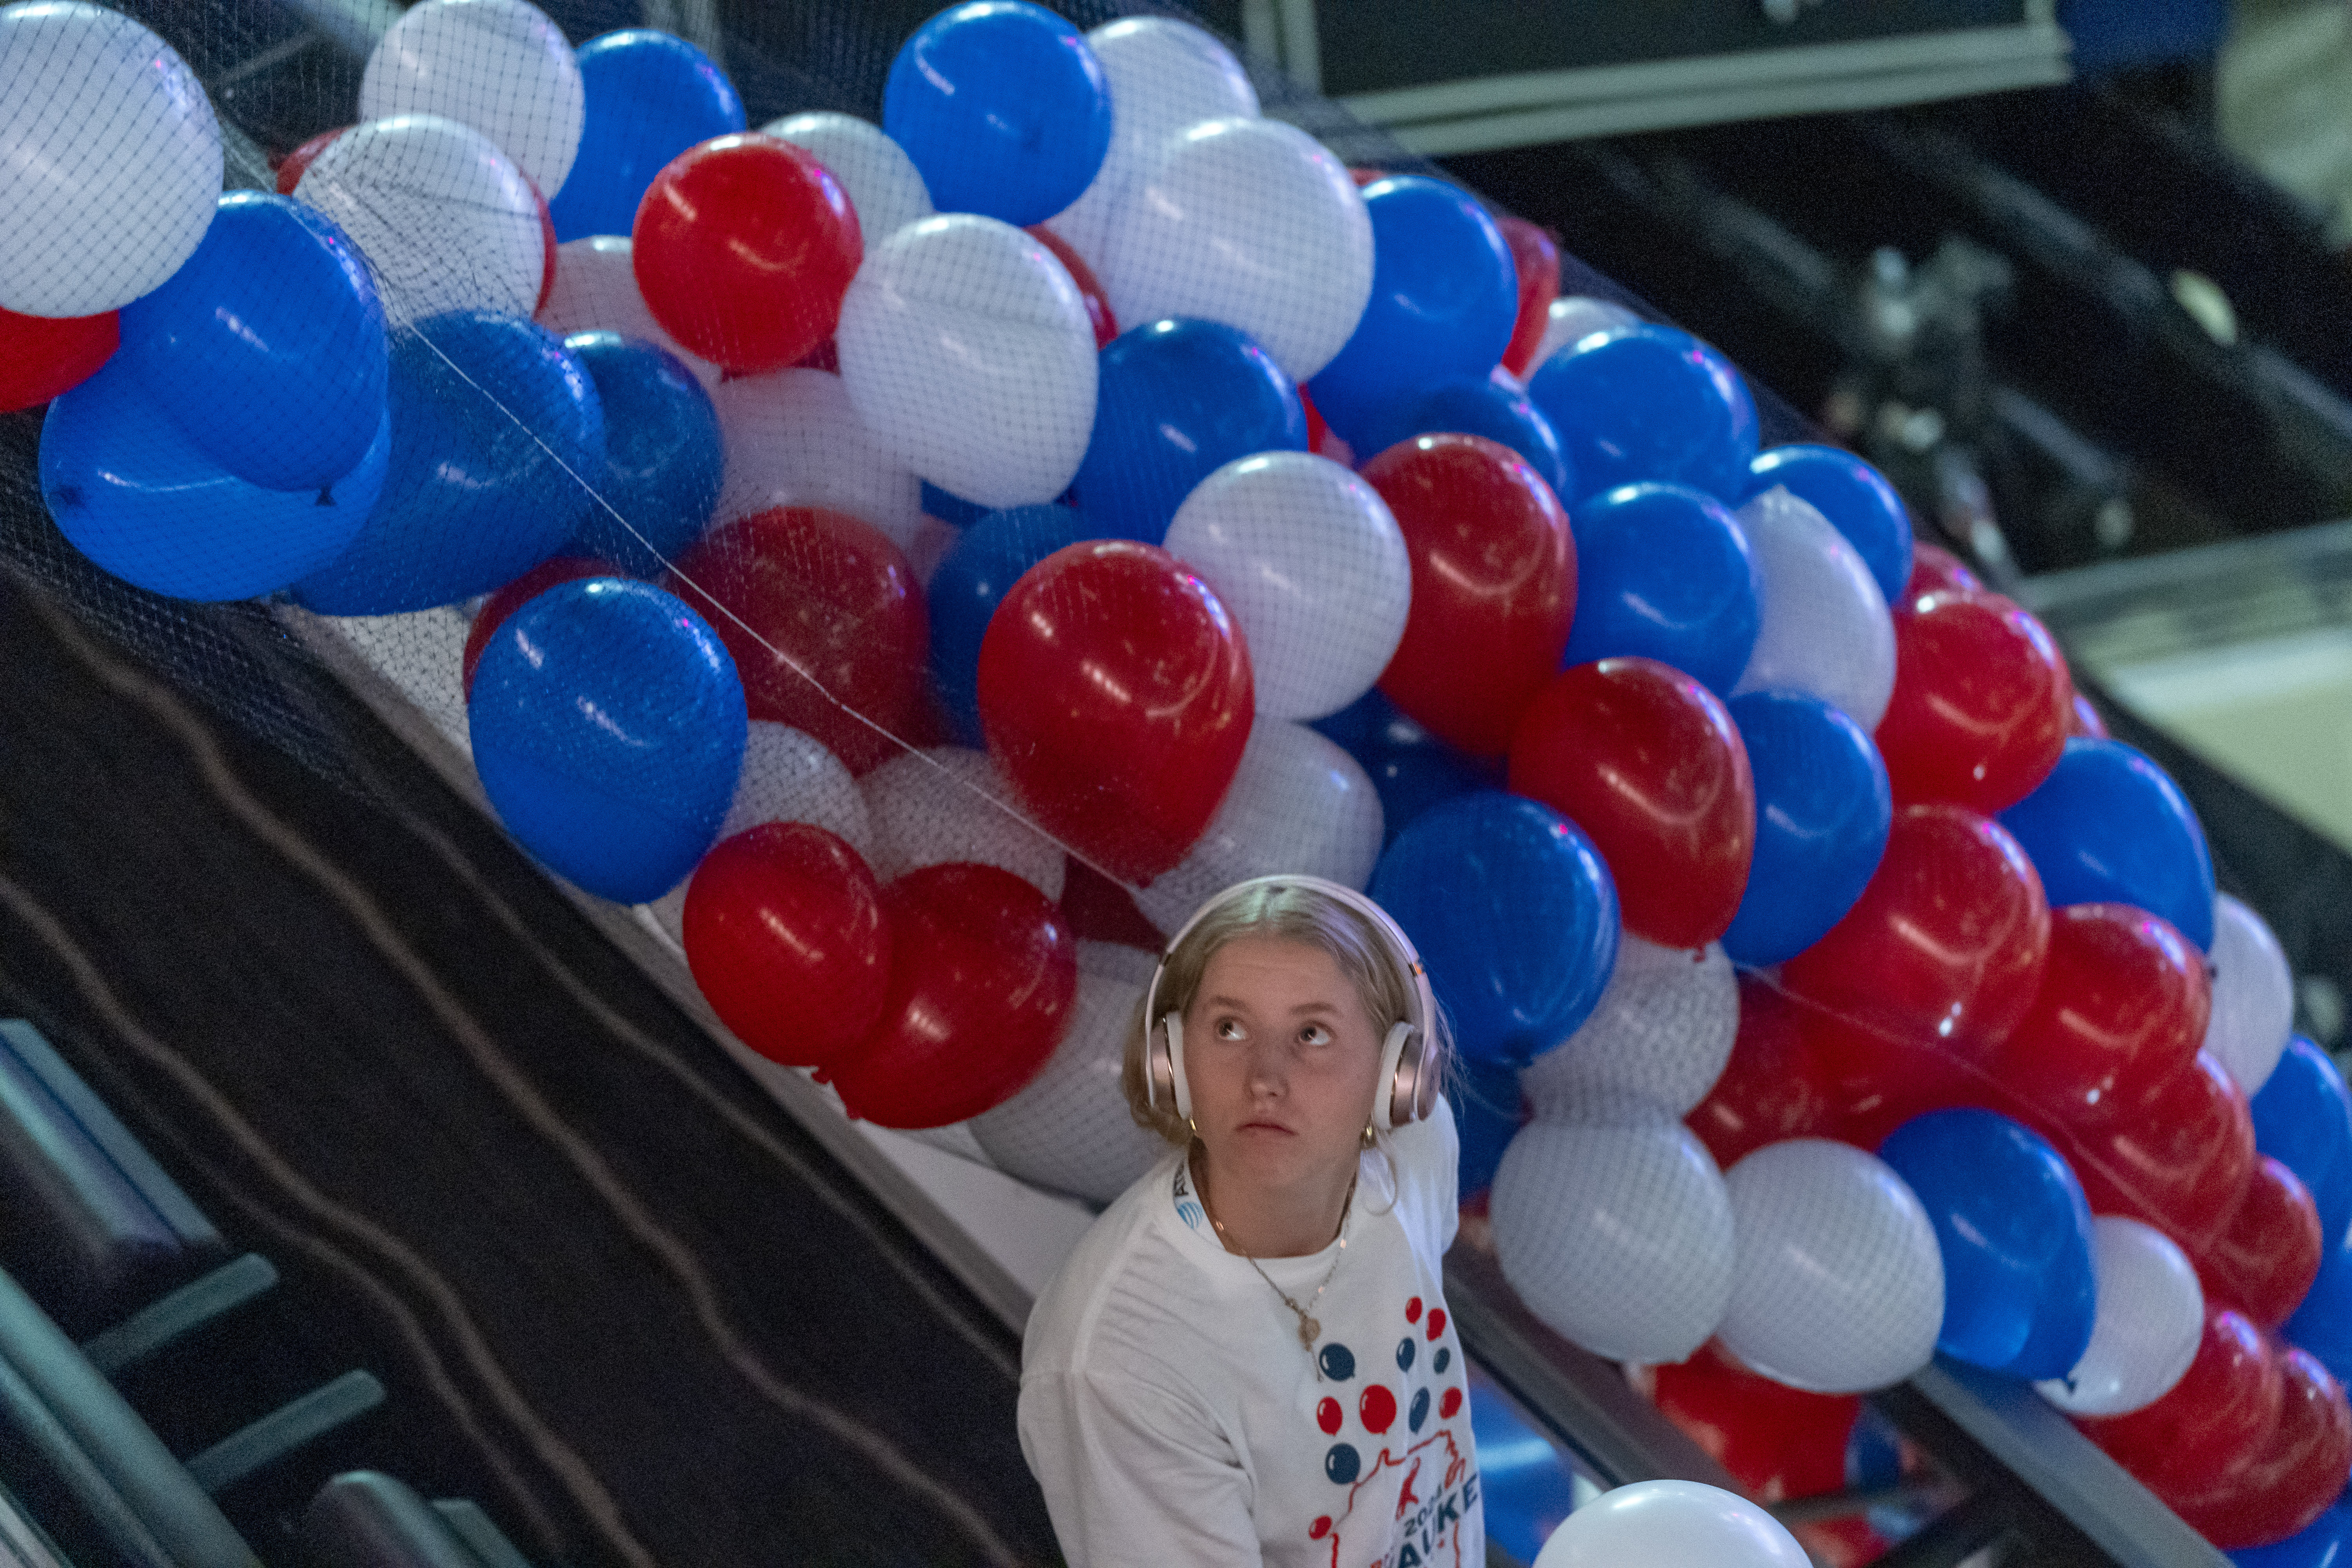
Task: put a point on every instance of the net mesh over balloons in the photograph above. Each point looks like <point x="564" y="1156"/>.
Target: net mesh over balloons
<point x="724" y="444"/>
<point x="502" y="215"/>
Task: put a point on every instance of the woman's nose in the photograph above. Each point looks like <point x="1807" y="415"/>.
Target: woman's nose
<point x="1265" y="1071"/>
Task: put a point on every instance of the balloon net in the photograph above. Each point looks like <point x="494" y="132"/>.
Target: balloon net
<point x="916" y="504"/>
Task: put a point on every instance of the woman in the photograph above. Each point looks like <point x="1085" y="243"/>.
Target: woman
<point x="1248" y="1358"/>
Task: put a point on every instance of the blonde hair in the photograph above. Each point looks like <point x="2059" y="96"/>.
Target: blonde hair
<point x="1285" y="912"/>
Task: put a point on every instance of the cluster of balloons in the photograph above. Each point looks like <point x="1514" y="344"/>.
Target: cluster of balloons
<point x="924" y="559"/>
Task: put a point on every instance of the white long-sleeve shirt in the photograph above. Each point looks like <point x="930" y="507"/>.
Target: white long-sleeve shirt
<point x="1174" y="1421"/>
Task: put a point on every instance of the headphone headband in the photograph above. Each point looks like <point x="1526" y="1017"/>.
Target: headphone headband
<point x="1407" y="1090"/>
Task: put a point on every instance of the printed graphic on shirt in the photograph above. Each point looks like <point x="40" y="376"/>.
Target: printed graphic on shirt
<point x="1435" y="1487"/>
<point x="1188" y="1208"/>
<point x="1436" y="1483"/>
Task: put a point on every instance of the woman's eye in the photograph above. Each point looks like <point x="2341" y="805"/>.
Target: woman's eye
<point x="1314" y="1034"/>
<point x="1230" y="1029"/>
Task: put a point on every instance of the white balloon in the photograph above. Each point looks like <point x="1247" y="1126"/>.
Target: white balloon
<point x="1825" y="631"/>
<point x="1312" y="567"/>
<point x="787" y="777"/>
<point x="882" y="182"/>
<point x="1839" y="1287"/>
<point x="1251" y="222"/>
<point x="1574" y="319"/>
<point x="596" y="292"/>
<point x="794" y="438"/>
<point x="445" y="220"/>
<point x="2151" y="1315"/>
<point x="499" y="66"/>
<point x="1298" y="803"/>
<point x="948" y="803"/>
<point x="1163" y="76"/>
<point x="2253" y="996"/>
<point x="1662" y="1030"/>
<point x="1617" y="1237"/>
<point x="1069" y="1128"/>
<point x="1671" y="1524"/>
<point x="968" y="352"/>
<point x="109" y="160"/>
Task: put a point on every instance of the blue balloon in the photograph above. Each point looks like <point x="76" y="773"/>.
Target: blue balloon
<point x="948" y="507"/>
<point x="1002" y="107"/>
<point x="2015" y="1232"/>
<point x="2322" y="1325"/>
<point x="972" y="581"/>
<point x="2109" y="827"/>
<point x="1515" y="915"/>
<point x="649" y="97"/>
<point x="663" y="459"/>
<point x="1177" y="400"/>
<point x="129" y="488"/>
<point x="1663" y="571"/>
<point x="2303" y="1119"/>
<point x="2325" y="1543"/>
<point x="1446" y="295"/>
<point x="1649" y="402"/>
<point x="1412" y="769"/>
<point x="1854" y="497"/>
<point x="1488" y="1110"/>
<point x="1824" y="811"/>
<point x="1474" y="405"/>
<point x="268" y="346"/>
<point x="492" y="418"/>
<point x="608" y="727"/>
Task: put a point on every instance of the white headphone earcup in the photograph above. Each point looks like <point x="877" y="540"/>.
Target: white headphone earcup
<point x="1401" y="1055"/>
<point x="1173" y="1025"/>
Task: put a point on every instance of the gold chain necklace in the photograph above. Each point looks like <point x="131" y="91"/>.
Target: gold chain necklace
<point x="1309" y="1327"/>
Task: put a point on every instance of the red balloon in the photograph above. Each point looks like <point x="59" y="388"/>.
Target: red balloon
<point x="1935" y="569"/>
<point x="1319" y="429"/>
<point x="2203" y="1429"/>
<point x="546" y="245"/>
<point x="43" y="356"/>
<point x="2122" y="1007"/>
<point x="785" y="934"/>
<point x="1494" y="586"/>
<point x="1536" y="255"/>
<point x="982" y="972"/>
<point x="1773" y="1087"/>
<point x="2292" y="1474"/>
<point x="743" y="247"/>
<point x="1982" y="702"/>
<point x="295" y="164"/>
<point x="1945" y="945"/>
<point x="2267" y="1253"/>
<point x="838" y="603"/>
<point x="495" y="609"/>
<point x="1777" y="1442"/>
<point x="1096" y="909"/>
<point x="2181" y="1164"/>
<point x="1878" y="1081"/>
<point x="1115" y="691"/>
<point x="2085" y="721"/>
<point x="1364" y="177"/>
<point x="1647" y="762"/>
<point x="1090" y="289"/>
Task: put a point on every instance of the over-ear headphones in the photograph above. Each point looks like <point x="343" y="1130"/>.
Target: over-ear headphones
<point x="1406" y="1090"/>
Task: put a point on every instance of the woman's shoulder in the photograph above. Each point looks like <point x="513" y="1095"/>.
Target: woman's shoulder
<point x="1114" y="1283"/>
<point x="1426" y="1156"/>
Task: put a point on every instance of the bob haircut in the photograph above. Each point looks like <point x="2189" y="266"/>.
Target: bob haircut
<point x="1288" y="913"/>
